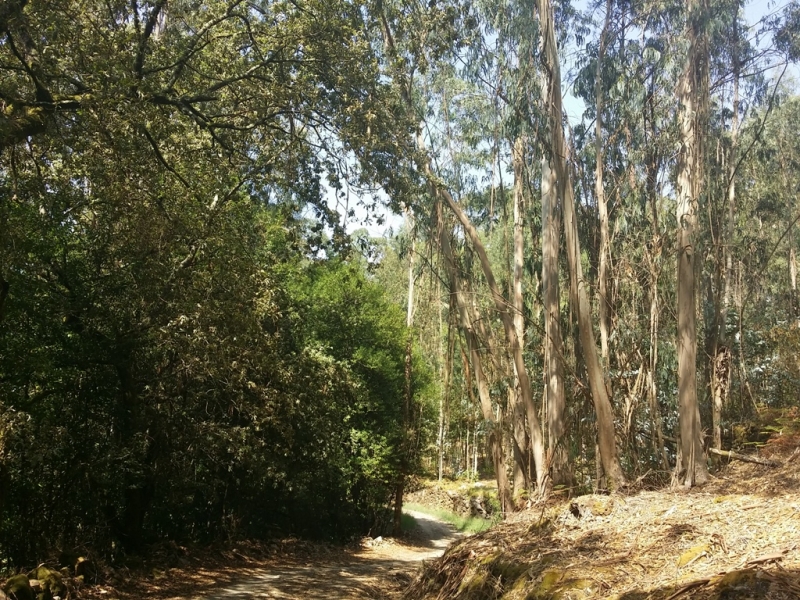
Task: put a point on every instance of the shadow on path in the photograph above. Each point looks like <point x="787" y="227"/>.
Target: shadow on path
<point x="371" y="573"/>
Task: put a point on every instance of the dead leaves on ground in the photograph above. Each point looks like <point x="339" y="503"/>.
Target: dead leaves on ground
<point x="738" y="537"/>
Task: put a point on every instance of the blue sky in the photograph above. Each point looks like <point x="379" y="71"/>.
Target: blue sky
<point x="754" y="11"/>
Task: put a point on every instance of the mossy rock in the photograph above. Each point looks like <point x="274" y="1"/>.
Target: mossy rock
<point x="52" y="583"/>
<point x="19" y="588"/>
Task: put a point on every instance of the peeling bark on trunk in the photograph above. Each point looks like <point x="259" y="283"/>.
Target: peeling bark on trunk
<point x="600" y="194"/>
<point x="521" y="445"/>
<point x="692" y="92"/>
<point x="553" y="98"/>
<point x="554" y="400"/>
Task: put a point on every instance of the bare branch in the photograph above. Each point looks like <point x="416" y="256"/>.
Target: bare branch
<point x="161" y="158"/>
<point x="148" y="31"/>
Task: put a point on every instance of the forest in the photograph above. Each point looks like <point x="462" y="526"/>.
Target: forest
<point x="590" y="279"/>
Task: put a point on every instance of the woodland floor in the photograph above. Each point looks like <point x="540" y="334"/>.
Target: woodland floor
<point x="736" y="537"/>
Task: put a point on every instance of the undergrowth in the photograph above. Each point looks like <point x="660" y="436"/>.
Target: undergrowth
<point x="407" y="522"/>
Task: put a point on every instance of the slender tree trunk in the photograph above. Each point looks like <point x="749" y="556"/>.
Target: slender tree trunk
<point x="475" y="452"/>
<point x="602" y="404"/>
<point x="501" y="305"/>
<point x="652" y="387"/>
<point x="494" y="433"/>
<point x="444" y="402"/>
<point x="600" y="194"/>
<point x="521" y="448"/>
<point x="554" y="400"/>
<point x="721" y="356"/>
<point x="739" y="298"/>
<point x="653" y="166"/>
<point x="692" y="91"/>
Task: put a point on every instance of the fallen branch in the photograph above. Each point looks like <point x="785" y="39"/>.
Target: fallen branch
<point x="775" y="556"/>
<point x="744" y="457"/>
<point x="767" y="558"/>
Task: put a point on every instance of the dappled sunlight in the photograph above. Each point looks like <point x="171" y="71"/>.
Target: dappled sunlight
<point x="378" y="568"/>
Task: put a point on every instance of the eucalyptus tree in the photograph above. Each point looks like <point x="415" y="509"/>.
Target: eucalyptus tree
<point x="558" y="154"/>
<point x="521" y="90"/>
<point x="693" y="117"/>
<point x="626" y="80"/>
<point x="416" y="54"/>
<point x="729" y="69"/>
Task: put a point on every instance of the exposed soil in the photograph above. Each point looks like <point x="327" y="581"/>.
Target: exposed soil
<point x="297" y="570"/>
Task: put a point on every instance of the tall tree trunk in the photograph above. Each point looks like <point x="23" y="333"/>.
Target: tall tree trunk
<point x="501" y="305"/>
<point x="444" y="401"/>
<point x="553" y="98"/>
<point x="652" y="383"/>
<point x="494" y="434"/>
<point x="554" y="400"/>
<point x="692" y="91"/>
<point x="653" y="166"/>
<point x="720" y="359"/>
<point x="521" y="449"/>
<point x="600" y="194"/>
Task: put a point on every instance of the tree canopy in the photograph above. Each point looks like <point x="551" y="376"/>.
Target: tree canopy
<point x="193" y="348"/>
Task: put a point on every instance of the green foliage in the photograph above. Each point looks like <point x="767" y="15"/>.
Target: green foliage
<point x="235" y="400"/>
<point x="19" y="587"/>
<point x="190" y="347"/>
<point x="172" y="366"/>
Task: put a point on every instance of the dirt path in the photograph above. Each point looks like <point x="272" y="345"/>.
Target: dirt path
<point x="380" y="571"/>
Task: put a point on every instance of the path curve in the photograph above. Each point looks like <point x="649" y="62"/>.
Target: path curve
<point x="376" y="572"/>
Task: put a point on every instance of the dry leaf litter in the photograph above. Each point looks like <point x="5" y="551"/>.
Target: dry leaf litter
<point x="737" y="537"/>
